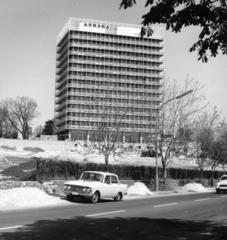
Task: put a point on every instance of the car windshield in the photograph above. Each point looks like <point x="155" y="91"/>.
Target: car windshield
<point x="90" y="176"/>
<point x="224" y="178"/>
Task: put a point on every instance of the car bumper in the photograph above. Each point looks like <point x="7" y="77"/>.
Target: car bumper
<point x="77" y="194"/>
<point x="222" y="188"/>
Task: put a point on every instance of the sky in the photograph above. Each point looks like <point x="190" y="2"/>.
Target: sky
<point x="29" y="29"/>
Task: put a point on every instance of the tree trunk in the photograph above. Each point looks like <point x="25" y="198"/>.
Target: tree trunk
<point x="107" y="162"/>
<point x="164" y="174"/>
<point x="24" y="135"/>
<point x="201" y="175"/>
<point x="212" y="177"/>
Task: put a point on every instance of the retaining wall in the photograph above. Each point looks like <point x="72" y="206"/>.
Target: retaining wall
<point x="45" y="145"/>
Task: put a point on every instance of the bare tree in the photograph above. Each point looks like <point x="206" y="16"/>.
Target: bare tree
<point x="205" y="142"/>
<point x="218" y="153"/>
<point x="38" y="131"/>
<point x="106" y="135"/>
<point x="20" y="112"/>
<point x="175" y="115"/>
<point x="6" y="128"/>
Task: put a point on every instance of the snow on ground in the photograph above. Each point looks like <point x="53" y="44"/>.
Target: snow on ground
<point x="193" y="187"/>
<point x="34" y="197"/>
<point x="138" y="188"/>
<point x="27" y="197"/>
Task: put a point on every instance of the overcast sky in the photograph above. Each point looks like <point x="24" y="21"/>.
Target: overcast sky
<point x="28" y="49"/>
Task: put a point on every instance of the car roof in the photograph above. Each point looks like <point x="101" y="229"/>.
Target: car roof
<point x="104" y="173"/>
<point x="223" y="176"/>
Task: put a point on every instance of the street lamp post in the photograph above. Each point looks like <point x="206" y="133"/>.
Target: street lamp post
<point x="156" y="133"/>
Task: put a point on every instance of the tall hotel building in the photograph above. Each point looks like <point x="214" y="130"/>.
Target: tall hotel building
<point x="107" y="63"/>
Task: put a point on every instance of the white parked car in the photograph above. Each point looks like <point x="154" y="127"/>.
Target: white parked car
<point x="95" y="185"/>
<point x="222" y="184"/>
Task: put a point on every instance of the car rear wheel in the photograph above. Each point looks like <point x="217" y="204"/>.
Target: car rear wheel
<point x="95" y="197"/>
<point x="118" y="197"/>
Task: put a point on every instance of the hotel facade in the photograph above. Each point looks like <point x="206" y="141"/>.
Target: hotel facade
<point x="107" y="64"/>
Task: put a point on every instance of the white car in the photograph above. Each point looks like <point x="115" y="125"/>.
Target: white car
<point x="222" y="184"/>
<point x="95" y="185"/>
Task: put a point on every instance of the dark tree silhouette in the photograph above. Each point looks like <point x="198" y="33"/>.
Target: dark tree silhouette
<point x="209" y="15"/>
<point x="49" y="127"/>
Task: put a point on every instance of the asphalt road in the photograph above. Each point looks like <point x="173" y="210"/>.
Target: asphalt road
<point x="178" y="216"/>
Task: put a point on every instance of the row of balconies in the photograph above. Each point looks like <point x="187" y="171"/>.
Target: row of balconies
<point x="110" y="62"/>
<point x="125" y="50"/>
<point x="137" y="52"/>
<point x="133" y="129"/>
<point x="98" y="80"/>
<point x="94" y="68"/>
<point x="147" y="58"/>
<point x="137" y="41"/>
<point x="116" y="104"/>
<point x="93" y="119"/>
<point x="144" y="111"/>
<point x="106" y="64"/>
<point x="104" y="95"/>
<point x="129" y="72"/>
<point x="128" y="57"/>
<point x="135" y="87"/>
<point x="108" y="87"/>
<point x="120" y="43"/>
<point x="105" y="69"/>
<point x="151" y="112"/>
<point x="95" y="71"/>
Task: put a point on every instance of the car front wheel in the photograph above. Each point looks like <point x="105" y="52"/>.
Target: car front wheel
<point x="95" y="197"/>
<point x="217" y="191"/>
<point x="69" y="197"/>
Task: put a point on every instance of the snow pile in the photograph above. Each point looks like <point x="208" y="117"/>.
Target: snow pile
<point x="194" y="187"/>
<point x="25" y="197"/>
<point x="138" y="188"/>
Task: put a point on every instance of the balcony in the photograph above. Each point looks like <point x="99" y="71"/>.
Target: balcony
<point x="60" y="114"/>
<point x="57" y="108"/>
<point x="60" y="84"/>
<point x="64" y="74"/>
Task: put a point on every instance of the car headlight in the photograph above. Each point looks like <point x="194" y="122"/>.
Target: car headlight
<point x="69" y="187"/>
<point x="88" y="190"/>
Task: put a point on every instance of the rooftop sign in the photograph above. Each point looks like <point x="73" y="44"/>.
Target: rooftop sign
<point x="96" y="25"/>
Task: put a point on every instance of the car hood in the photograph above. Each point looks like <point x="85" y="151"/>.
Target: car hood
<point x="83" y="183"/>
<point x="223" y="181"/>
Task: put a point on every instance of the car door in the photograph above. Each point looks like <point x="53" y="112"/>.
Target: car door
<point x="107" y="188"/>
<point x="114" y="185"/>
